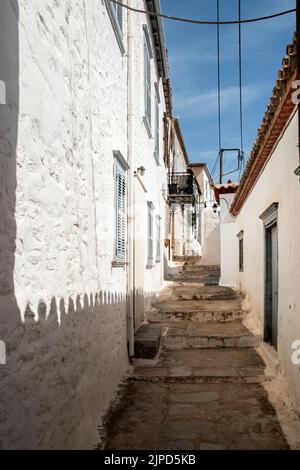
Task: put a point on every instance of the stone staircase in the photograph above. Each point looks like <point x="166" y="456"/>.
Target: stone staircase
<point x="195" y="332"/>
<point x="193" y="272"/>
<point x="198" y="381"/>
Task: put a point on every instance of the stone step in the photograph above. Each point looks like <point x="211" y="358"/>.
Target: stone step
<point x="147" y="341"/>
<point x="196" y="292"/>
<point x="200" y="311"/>
<point x="154" y="316"/>
<point x="188" y="259"/>
<point x="200" y="268"/>
<point x="205" y="365"/>
<point x="190" y="277"/>
<point x="208" y="335"/>
<point x="197" y="273"/>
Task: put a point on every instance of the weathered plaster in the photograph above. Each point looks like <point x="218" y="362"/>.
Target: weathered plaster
<point x="63" y="304"/>
<point x="277" y="183"/>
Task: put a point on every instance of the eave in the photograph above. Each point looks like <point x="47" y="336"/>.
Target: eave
<point x="160" y="51"/>
<point x="278" y="114"/>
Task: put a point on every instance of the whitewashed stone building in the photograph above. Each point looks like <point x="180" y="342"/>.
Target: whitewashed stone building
<point x="82" y="203"/>
<point x="209" y="222"/>
<point x="264" y="224"/>
<point x="183" y="196"/>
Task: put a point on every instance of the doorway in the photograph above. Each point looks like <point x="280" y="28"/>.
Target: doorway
<point x="271" y="309"/>
<point x="269" y="218"/>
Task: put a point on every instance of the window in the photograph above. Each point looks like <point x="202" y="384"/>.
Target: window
<point x="150" y="235"/>
<point x="158" y="239"/>
<point x="157" y="127"/>
<point x="241" y="251"/>
<point x="147" y="79"/>
<point x="116" y="17"/>
<point x="120" y="209"/>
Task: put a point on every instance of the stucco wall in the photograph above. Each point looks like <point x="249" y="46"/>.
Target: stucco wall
<point x="181" y="219"/>
<point x="228" y="242"/>
<point x="209" y="233"/>
<point x="155" y="178"/>
<point x="211" y="238"/>
<point x="63" y="305"/>
<point x="277" y="183"/>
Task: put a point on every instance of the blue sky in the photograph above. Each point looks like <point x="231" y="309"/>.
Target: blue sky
<point x="193" y="68"/>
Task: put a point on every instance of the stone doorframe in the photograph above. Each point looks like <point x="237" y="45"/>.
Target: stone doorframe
<point x="270" y="220"/>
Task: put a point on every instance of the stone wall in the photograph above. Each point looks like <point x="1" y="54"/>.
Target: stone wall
<point x="277" y="183"/>
<point x="63" y="304"/>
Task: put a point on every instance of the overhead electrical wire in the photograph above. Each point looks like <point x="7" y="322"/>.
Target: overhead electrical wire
<point x="241" y="79"/>
<point x="217" y="23"/>
<point x="241" y="156"/>
<point x="219" y="74"/>
<point x="201" y="22"/>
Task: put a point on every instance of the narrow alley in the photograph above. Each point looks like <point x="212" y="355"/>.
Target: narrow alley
<point x="203" y="389"/>
<point x="149" y="227"/>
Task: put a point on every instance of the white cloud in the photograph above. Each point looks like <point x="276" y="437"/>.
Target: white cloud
<point x="205" y="104"/>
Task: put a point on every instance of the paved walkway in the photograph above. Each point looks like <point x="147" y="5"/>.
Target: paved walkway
<point x="199" y="381"/>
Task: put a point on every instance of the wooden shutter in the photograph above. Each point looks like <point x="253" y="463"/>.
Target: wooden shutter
<point x="147" y="80"/>
<point x="121" y="191"/>
<point x="157" y="130"/>
<point x="158" y="239"/>
<point x="119" y="14"/>
<point x="150" y="234"/>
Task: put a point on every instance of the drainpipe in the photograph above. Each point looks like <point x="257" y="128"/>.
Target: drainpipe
<point x="298" y="70"/>
<point x="131" y="192"/>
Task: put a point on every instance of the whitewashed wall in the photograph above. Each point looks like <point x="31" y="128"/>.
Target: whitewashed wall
<point x="209" y="222"/>
<point x="277" y="183"/>
<point x="63" y="310"/>
<point x="228" y="242"/>
<point x="182" y="225"/>
<point x="155" y="178"/>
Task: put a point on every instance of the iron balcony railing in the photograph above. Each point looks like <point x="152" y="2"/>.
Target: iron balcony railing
<point x="181" y="184"/>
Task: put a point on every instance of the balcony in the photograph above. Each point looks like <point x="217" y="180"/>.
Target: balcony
<point x="181" y="188"/>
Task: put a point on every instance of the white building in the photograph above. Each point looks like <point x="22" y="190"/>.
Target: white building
<point x="209" y="222"/>
<point x="224" y="194"/>
<point x="183" y="196"/>
<point x="265" y="227"/>
<point x="81" y="170"/>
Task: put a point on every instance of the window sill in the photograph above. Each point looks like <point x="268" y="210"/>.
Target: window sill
<point x="148" y="127"/>
<point x="119" y="264"/>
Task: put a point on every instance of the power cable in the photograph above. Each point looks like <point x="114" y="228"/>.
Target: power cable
<point x="241" y="81"/>
<point x="219" y="74"/>
<point x="201" y="22"/>
<point x="241" y="155"/>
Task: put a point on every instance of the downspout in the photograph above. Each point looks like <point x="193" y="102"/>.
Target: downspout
<point x="131" y="192"/>
<point x="298" y="71"/>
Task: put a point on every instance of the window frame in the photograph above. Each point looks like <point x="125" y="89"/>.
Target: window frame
<point x="157" y="125"/>
<point x="120" y="169"/>
<point x="148" y="56"/>
<point x="158" y="238"/>
<point x="150" y="235"/>
<point x="114" y="11"/>
<point x="240" y="236"/>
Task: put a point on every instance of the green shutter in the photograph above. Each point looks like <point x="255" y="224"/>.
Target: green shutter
<point x="121" y="191"/>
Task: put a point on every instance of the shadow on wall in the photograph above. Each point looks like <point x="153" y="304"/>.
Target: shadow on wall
<point x="65" y="363"/>
<point x="61" y="375"/>
<point x="62" y="372"/>
<point x="62" y="368"/>
<point x="9" y="112"/>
